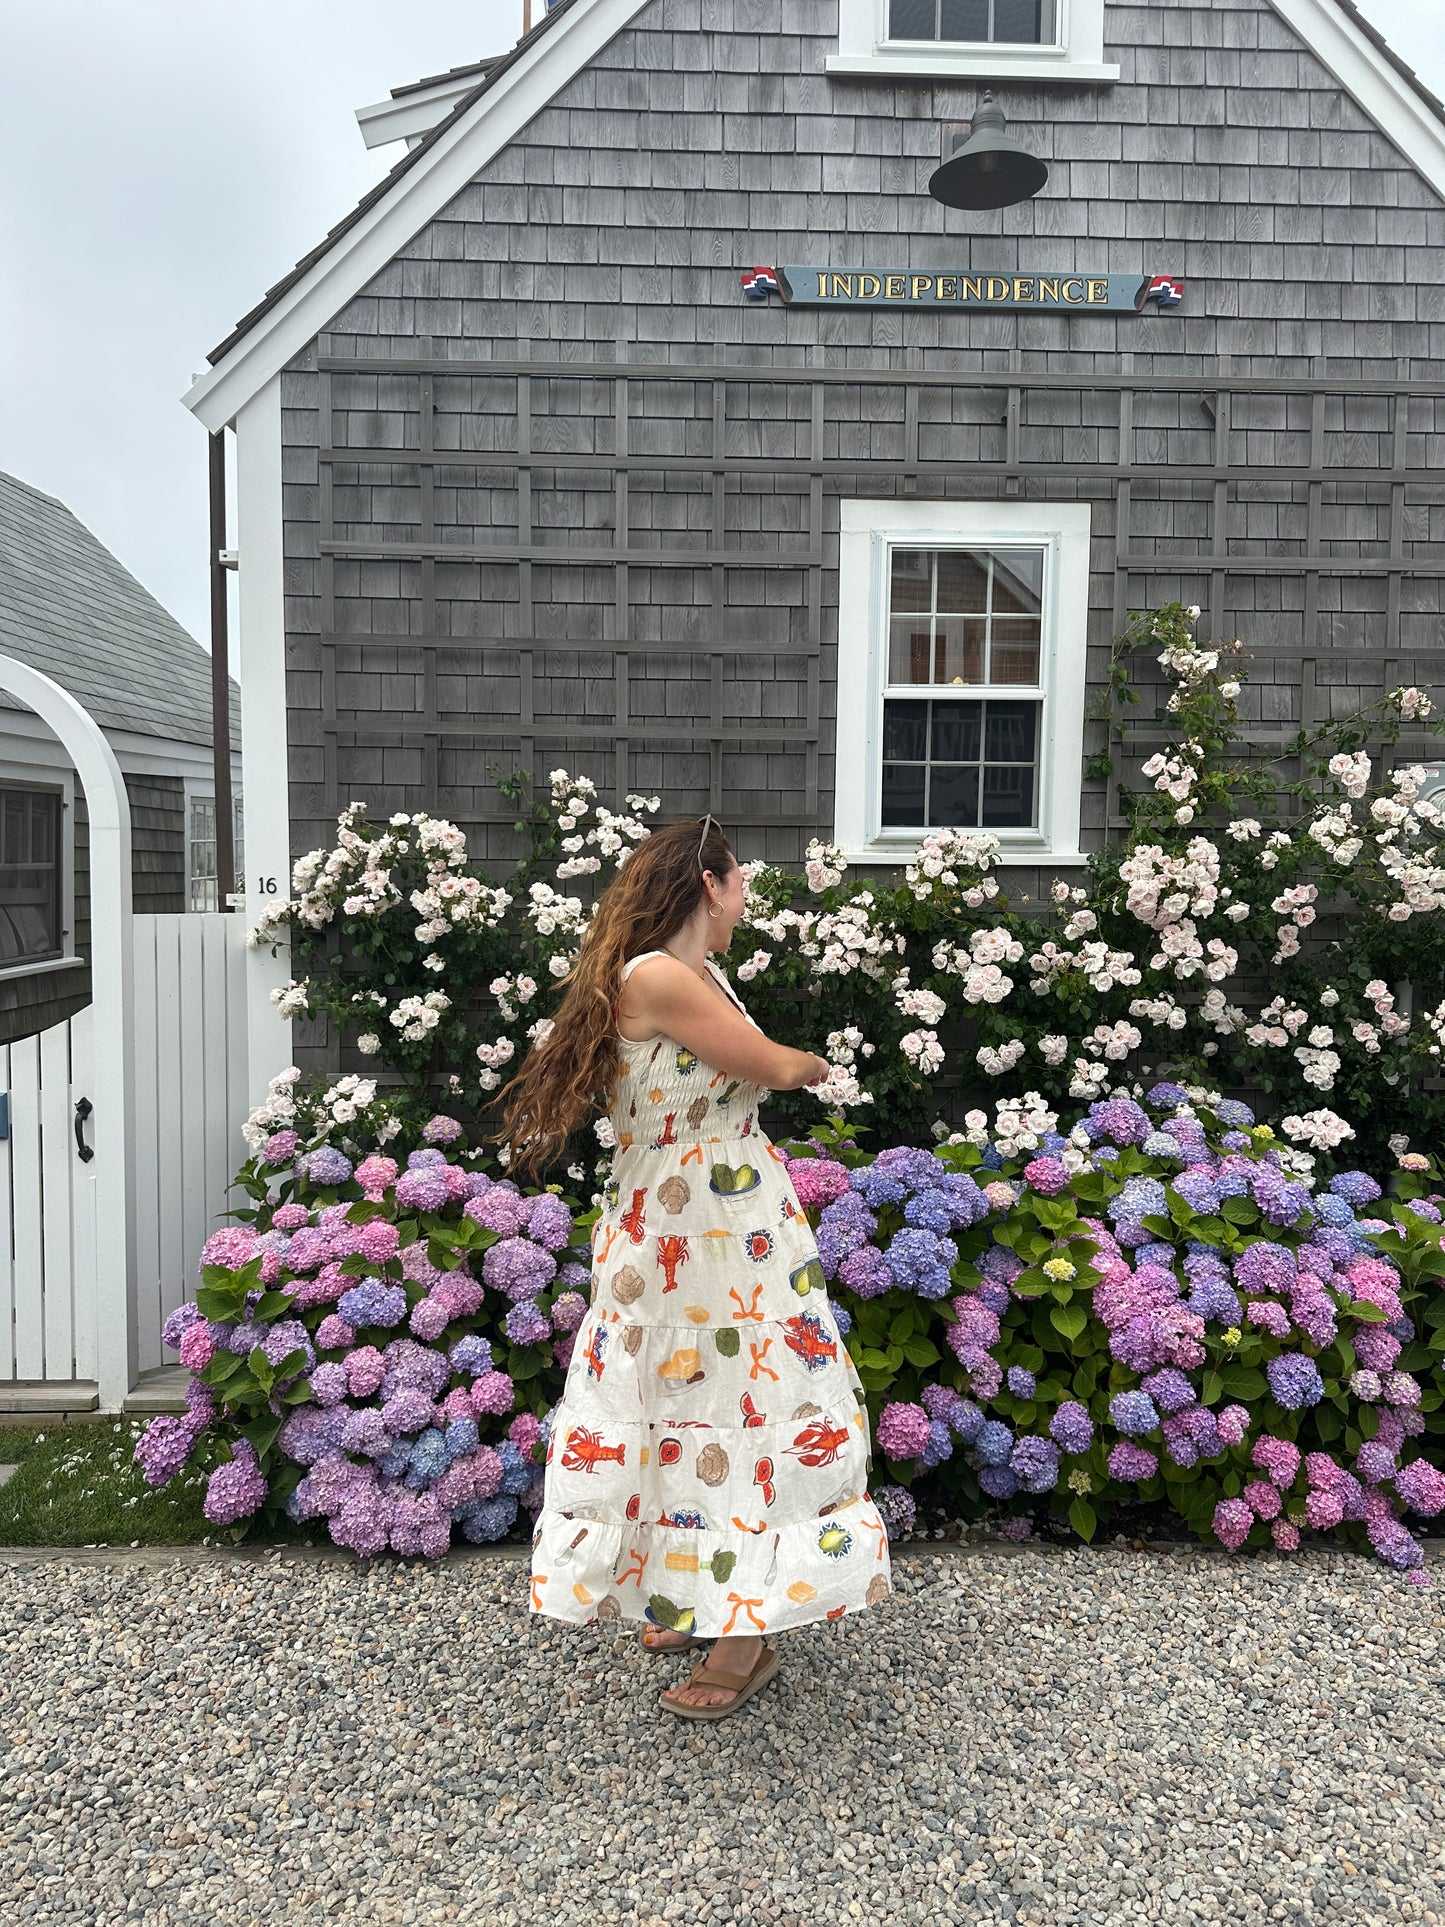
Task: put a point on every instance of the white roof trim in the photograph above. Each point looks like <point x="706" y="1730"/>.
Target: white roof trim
<point x="418" y="196"/>
<point x="415" y="113"/>
<point x="576" y="37"/>
<point x="1377" y="88"/>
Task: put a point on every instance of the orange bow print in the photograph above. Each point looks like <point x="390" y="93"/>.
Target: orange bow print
<point x="738" y="1603"/>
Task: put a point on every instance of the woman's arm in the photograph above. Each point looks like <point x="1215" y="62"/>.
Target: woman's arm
<point x="664" y="996"/>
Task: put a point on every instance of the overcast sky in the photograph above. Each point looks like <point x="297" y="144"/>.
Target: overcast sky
<point x="164" y="162"/>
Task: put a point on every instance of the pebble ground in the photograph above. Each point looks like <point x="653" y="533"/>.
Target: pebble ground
<point x="1054" y="1739"/>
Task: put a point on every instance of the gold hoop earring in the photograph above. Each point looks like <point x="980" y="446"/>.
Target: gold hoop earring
<point x="713" y="911"/>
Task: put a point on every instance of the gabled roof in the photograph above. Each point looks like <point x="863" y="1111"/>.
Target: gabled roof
<point x="513" y="89"/>
<point x="68" y="608"/>
<point x="477" y="67"/>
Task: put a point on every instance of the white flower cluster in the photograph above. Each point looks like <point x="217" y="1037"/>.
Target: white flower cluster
<point x="1414" y="704"/>
<point x="610" y="835"/>
<point x="492" y="1057"/>
<point x="840" y="1088"/>
<point x="926" y="1005"/>
<point x="1186" y="662"/>
<point x="348" y="1097"/>
<point x="1317" y="1059"/>
<point x="356" y="878"/>
<point x="1022" y="1121"/>
<point x="450" y="902"/>
<point x="943" y="858"/>
<point x="754" y="966"/>
<point x="1162" y="1011"/>
<point x="1409" y="820"/>
<point x="1175" y="776"/>
<point x="510" y="991"/>
<point x="278" y="1113"/>
<point x="1089" y="1080"/>
<point x="1113" y="1041"/>
<point x="1053" y="1050"/>
<point x="292" y="999"/>
<point x="923" y="1050"/>
<point x="1276" y="1025"/>
<point x="998" y="1063"/>
<point x="1297" y="905"/>
<point x="1101" y="967"/>
<point x="553" y="915"/>
<point x="1164" y="889"/>
<point x="825" y="864"/>
<point x="1335" y="832"/>
<point x="840" y="941"/>
<point x="417" y="1017"/>
<point x="978" y="964"/>
<point x="1352" y="773"/>
<point x="1181" y="950"/>
<point x="1322" y="1129"/>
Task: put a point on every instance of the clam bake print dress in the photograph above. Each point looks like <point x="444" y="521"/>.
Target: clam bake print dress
<point x="708" y="1460"/>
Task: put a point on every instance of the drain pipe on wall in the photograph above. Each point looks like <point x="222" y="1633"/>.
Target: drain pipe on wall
<point x="221" y="561"/>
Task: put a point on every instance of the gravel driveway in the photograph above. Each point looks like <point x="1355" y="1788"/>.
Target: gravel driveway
<point x="1020" y="1735"/>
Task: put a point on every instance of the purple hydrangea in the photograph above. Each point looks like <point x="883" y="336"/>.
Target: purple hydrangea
<point x="1138" y="1199"/>
<point x="1170" y="1390"/>
<point x="425" y="1189"/>
<point x="994" y="1444"/>
<point x="1294" y="1381"/>
<point x="1132" y="1462"/>
<point x="1071" y="1428"/>
<point x="998" y="1481"/>
<point x="1020" y="1381"/>
<point x="1355" y="1187"/>
<point x="903" y="1429"/>
<point x="1421" y="1487"/>
<point x="921" y="1261"/>
<point x="327" y="1167"/>
<point x="527" y="1324"/>
<point x="163" y="1448"/>
<point x="237" y="1488"/>
<point x="1035" y="1464"/>
<point x="897" y="1509"/>
<point x="1265" y="1267"/>
<point x="179" y="1323"/>
<point x="1047" y="1176"/>
<point x="517" y="1267"/>
<point x="1233" y="1522"/>
<point x="865" y="1272"/>
<point x="1120" y="1120"/>
<point x="372" y="1302"/>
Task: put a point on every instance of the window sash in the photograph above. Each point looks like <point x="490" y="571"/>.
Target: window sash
<point x="950" y="21"/>
<point x="31" y="875"/>
<point x="203" y="893"/>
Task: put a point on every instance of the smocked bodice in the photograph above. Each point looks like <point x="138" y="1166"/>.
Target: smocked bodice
<point x="666" y="1095"/>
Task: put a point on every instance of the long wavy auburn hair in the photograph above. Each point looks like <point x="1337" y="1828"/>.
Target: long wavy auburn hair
<point x="575" y="1069"/>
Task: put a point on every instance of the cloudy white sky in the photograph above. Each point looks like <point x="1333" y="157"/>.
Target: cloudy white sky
<point x="164" y="162"/>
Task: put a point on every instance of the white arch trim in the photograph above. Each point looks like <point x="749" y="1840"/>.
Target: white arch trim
<point x="111" y="1172"/>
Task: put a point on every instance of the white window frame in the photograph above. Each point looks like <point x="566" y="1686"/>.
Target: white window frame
<point x="1077" y="54"/>
<point x="198" y="790"/>
<point x="15" y="773"/>
<point x="868" y="533"/>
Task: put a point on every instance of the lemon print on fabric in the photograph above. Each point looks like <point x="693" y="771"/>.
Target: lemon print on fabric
<point x="809" y="1277"/>
<point x="734" y="1181"/>
<point x="686" y="1062"/>
<point x="834" y="1541"/>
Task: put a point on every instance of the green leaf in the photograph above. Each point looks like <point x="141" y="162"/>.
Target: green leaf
<point x="1082" y="1518"/>
<point x="223" y="1366"/>
<point x="893" y="1357"/>
<point x="1031" y="1283"/>
<point x="297" y="1394"/>
<point x="903" y="1326"/>
<point x="1239" y="1211"/>
<point x="262" y="1433"/>
<point x="261" y="1368"/>
<point x="1367" y="1313"/>
<point x="1068" y="1319"/>
<point x="220" y="1303"/>
<point x="1242" y="1383"/>
<point x="1213" y="1388"/>
<point x="873" y="1359"/>
<point x="921" y="1352"/>
<point x="272" y="1304"/>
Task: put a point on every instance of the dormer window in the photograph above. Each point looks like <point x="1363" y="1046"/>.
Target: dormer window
<point x="973" y="39"/>
<point x="1017" y="23"/>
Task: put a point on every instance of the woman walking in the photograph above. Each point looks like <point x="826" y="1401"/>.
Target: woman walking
<point x="708" y="1460"/>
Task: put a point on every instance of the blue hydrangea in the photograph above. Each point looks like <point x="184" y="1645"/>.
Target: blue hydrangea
<point x="461" y="1437"/>
<point x="1213" y="1299"/>
<point x="1159" y="1144"/>
<point x="993" y="1444"/>
<point x="428" y="1456"/>
<point x="1166" y="1097"/>
<point x="483" y="1520"/>
<point x="472" y="1355"/>
<point x="843" y="1319"/>
<point x="1021" y="1382"/>
<point x="1139" y="1198"/>
<point x="966" y="1202"/>
<point x="1155" y="1254"/>
<point x="1236" y="1116"/>
<point x="1355" y="1187"/>
<point x="1294" y="1381"/>
<point x="394" y="1463"/>
<point x="372" y="1302"/>
<point x="930" y="1211"/>
<point x="1281" y="1201"/>
<point x="327" y="1166"/>
<point x="1051" y="1143"/>
<point x="991" y="1158"/>
<point x="921" y="1261"/>
<point x="998" y="1481"/>
<point x="966" y="1421"/>
<point x="938" y="1448"/>
<point x="527" y="1324"/>
<point x="1134" y="1413"/>
<point x="1035" y="1464"/>
<point x="1198" y="1192"/>
<point x="516" y="1471"/>
<point x="1265" y="1267"/>
<point x="1071" y="1427"/>
<point x="1232" y="1184"/>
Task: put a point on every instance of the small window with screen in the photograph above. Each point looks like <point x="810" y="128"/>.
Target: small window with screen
<point x="30" y="875"/>
<point x="1018" y="23"/>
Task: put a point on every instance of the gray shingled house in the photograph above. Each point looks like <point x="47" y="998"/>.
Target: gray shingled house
<point x="68" y="608"/>
<point x="536" y="467"/>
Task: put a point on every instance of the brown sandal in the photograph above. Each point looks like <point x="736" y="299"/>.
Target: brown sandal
<point x="741" y="1685"/>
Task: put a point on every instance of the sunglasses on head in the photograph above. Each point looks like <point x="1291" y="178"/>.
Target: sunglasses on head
<point x="708" y="822"/>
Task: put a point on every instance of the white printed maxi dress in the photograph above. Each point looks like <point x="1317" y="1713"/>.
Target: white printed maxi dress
<point x="708" y="1460"/>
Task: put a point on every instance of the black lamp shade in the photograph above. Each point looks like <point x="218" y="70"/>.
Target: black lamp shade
<point x="986" y="169"/>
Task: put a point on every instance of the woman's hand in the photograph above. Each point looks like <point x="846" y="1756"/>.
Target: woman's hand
<point x="824" y="1072"/>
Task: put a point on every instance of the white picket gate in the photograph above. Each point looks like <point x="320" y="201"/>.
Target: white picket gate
<point x="187" y="1100"/>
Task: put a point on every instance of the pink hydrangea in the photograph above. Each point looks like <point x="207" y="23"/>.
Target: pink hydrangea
<point x="456" y="1404"/>
<point x="197" y="1348"/>
<point x="1132" y="1462"/>
<point x="1233" y="1424"/>
<point x="232" y="1246"/>
<point x="1376" y="1348"/>
<point x="429" y="1319"/>
<point x="1421" y="1487"/>
<point x="902" y="1430"/>
<point x="376" y="1175"/>
<point x="378" y="1241"/>
<point x="290" y="1217"/>
<point x="1263" y="1499"/>
<point x="333" y="1334"/>
<point x="1324" y="1509"/>
<point x="493" y="1393"/>
<point x="459" y="1292"/>
<point x="365" y="1369"/>
<point x="1278" y="1459"/>
<point x="524" y="1431"/>
<point x="817" y="1181"/>
<point x="1048" y="1176"/>
<point x="1232" y="1522"/>
<point x="499" y="1210"/>
<point x="1286" y="1535"/>
<point x="280" y="1148"/>
<point x="562" y="1350"/>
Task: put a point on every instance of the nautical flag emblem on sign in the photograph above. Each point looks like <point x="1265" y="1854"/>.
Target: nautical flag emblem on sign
<point x="759" y="283"/>
<point x="1166" y="289"/>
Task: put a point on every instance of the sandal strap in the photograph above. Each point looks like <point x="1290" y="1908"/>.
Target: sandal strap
<point x="720" y="1676"/>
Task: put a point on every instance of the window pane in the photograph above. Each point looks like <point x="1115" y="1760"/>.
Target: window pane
<point x="13" y="839"/>
<point x="43" y="823"/>
<point x="962" y="582"/>
<point x="1014" y="656"/>
<point x="958" y="649"/>
<point x="908" y="649"/>
<point x="956" y="732"/>
<point x="1018" y="581"/>
<point x="964" y="20"/>
<point x="1009" y="731"/>
<point x="905" y="730"/>
<point x="902" y="793"/>
<point x="1021" y="20"/>
<point x="953" y="798"/>
<point x="1008" y="798"/>
<point x="912" y="580"/>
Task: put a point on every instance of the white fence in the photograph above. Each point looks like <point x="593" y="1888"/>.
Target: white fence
<point x="188" y="1098"/>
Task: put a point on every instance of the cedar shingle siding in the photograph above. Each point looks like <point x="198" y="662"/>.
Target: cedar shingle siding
<point x="683" y="605"/>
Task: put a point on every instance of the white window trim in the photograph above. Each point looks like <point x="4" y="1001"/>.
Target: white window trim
<point x="1078" y="53"/>
<point x="868" y="531"/>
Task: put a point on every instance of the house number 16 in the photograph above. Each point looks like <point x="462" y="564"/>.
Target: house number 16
<point x="268" y="886"/>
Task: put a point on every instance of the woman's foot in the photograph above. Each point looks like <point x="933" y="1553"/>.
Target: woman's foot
<point x="731" y="1656"/>
<point x="662" y="1639"/>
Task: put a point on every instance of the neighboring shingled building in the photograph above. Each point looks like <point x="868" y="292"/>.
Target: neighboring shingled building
<point x="69" y="609"/>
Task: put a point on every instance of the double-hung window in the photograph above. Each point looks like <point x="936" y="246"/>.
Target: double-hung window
<point x="204" y="888"/>
<point x="973" y="39"/>
<point x="961" y="675"/>
<point x="31" y="907"/>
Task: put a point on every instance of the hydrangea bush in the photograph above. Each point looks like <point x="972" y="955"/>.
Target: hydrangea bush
<point x="1208" y="943"/>
<point x="376" y="1345"/>
<point x="1154" y="1307"/>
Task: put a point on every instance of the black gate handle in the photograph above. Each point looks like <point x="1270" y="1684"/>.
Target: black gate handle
<point x="83" y="1109"/>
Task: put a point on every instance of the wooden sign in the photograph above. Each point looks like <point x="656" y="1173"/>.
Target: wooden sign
<point x="804" y="287"/>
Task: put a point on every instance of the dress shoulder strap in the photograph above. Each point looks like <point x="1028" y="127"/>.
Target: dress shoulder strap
<point x="640" y="958"/>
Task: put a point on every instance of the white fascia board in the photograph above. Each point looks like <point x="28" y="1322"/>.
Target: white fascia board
<point x="421" y="193"/>
<point x="25" y="737"/>
<point x="415" y="113"/>
<point x="1380" y="92"/>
